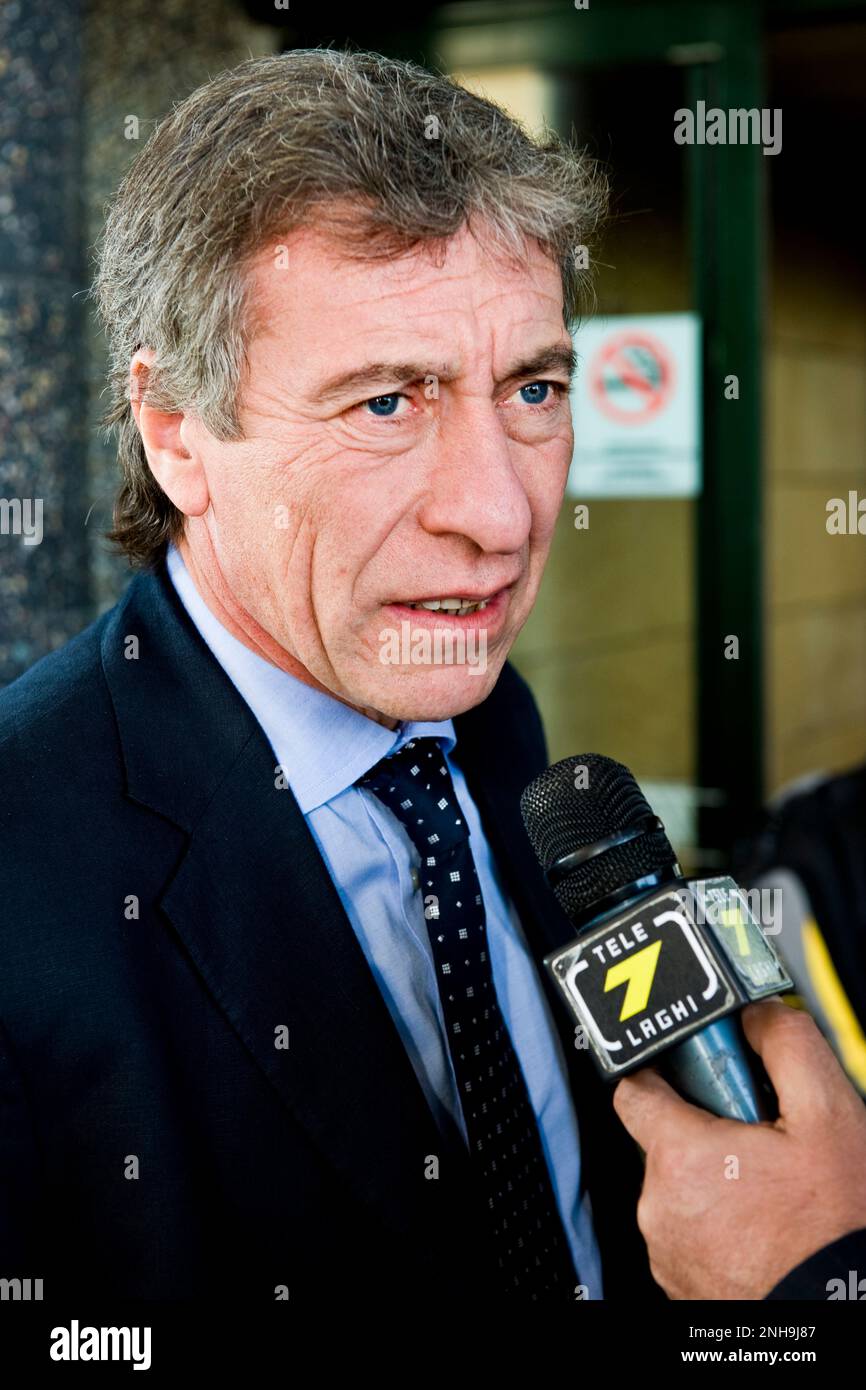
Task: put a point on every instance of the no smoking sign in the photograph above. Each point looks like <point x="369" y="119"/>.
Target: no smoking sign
<point x="631" y="377"/>
<point x="636" y="407"/>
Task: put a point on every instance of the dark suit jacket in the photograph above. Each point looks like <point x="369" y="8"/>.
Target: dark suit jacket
<point x="165" y="910"/>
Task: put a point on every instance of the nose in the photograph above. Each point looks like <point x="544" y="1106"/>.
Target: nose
<point x="474" y="487"/>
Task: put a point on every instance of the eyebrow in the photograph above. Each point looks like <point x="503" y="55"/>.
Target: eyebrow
<point x="555" y="358"/>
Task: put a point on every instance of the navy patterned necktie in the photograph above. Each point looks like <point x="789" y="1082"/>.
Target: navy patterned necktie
<point x="504" y="1142"/>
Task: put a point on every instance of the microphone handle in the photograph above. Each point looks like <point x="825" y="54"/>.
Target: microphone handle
<point x="718" y="1070"/>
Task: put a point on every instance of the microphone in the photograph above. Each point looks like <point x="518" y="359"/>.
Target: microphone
<point x="661" y="965"/>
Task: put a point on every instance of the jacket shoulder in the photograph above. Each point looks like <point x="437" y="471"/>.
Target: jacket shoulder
<point x="57" y="690"/>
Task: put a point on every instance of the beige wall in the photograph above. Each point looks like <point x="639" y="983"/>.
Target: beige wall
<point x="608" y="649"/>
<point x="815" y="449"/>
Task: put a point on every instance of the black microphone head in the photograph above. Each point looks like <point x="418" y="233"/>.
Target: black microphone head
<point x="579" y="804"/>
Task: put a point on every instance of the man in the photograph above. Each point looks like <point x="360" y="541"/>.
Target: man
<point x="273" y="1021"/>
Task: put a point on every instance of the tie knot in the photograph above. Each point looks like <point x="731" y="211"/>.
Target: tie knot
<point x="416" y="785"/>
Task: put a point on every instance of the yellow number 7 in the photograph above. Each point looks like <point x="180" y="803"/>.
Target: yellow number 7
<point x="638" y="972"/>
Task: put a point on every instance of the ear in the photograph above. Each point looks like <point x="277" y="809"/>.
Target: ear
<point x="177" y="468"/>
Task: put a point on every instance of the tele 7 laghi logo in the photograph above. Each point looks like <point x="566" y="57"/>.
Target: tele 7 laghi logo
<point x="689" y="986"/>
<point x="659" y="971"/>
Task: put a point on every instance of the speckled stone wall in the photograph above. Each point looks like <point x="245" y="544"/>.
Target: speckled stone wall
<point x="140" y="58"/>
<point x="44" y="583"/>
<point x="70" y="76"/>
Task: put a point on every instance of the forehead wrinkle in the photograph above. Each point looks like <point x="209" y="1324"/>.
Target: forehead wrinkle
<point x="406" y="275"/>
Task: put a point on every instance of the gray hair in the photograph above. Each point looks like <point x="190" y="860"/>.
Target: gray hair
<point x="381" y="153"/>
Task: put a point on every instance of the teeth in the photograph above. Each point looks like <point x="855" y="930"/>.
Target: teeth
<point x="459" y="606"/>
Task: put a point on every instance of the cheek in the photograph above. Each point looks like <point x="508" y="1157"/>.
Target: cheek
<point x="544" y="483"/>
<point x="242" y="498"/>
<point x="267" y="518"/>
<point x="362" y="533"/>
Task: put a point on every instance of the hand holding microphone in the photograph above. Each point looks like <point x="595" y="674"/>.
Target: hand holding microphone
<point x="728" y="1209"/>
<point x="659" y="972"/>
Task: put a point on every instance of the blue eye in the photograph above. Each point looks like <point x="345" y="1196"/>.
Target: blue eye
<point x="534" y="386"/>
<point x="388" y="404"/>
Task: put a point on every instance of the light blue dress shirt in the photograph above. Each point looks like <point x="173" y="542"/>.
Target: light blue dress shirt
<point x="322" y="747"/>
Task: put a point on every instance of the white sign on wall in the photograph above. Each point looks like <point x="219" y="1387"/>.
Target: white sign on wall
<point x="636" y="407"/>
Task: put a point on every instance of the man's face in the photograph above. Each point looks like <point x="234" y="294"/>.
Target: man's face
<point x="435" y="475"/>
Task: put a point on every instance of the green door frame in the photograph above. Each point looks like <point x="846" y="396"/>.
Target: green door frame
<point x="720" y="48"/>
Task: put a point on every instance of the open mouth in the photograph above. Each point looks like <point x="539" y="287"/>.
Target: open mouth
<point x="481" y="610"/>
<point x="451" y="607"/>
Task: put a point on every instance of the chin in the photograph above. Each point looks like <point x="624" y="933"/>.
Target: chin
<point x="433" y="693"/>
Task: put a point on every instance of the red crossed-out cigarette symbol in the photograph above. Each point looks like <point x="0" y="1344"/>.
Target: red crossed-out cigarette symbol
<point x="631" y="377"/>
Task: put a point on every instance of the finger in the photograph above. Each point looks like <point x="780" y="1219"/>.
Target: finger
<point x="650" y="1109"/>
<point x="800" y="1062"/>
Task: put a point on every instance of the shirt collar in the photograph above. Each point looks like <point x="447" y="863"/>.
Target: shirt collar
<point x="322" y="745"/>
